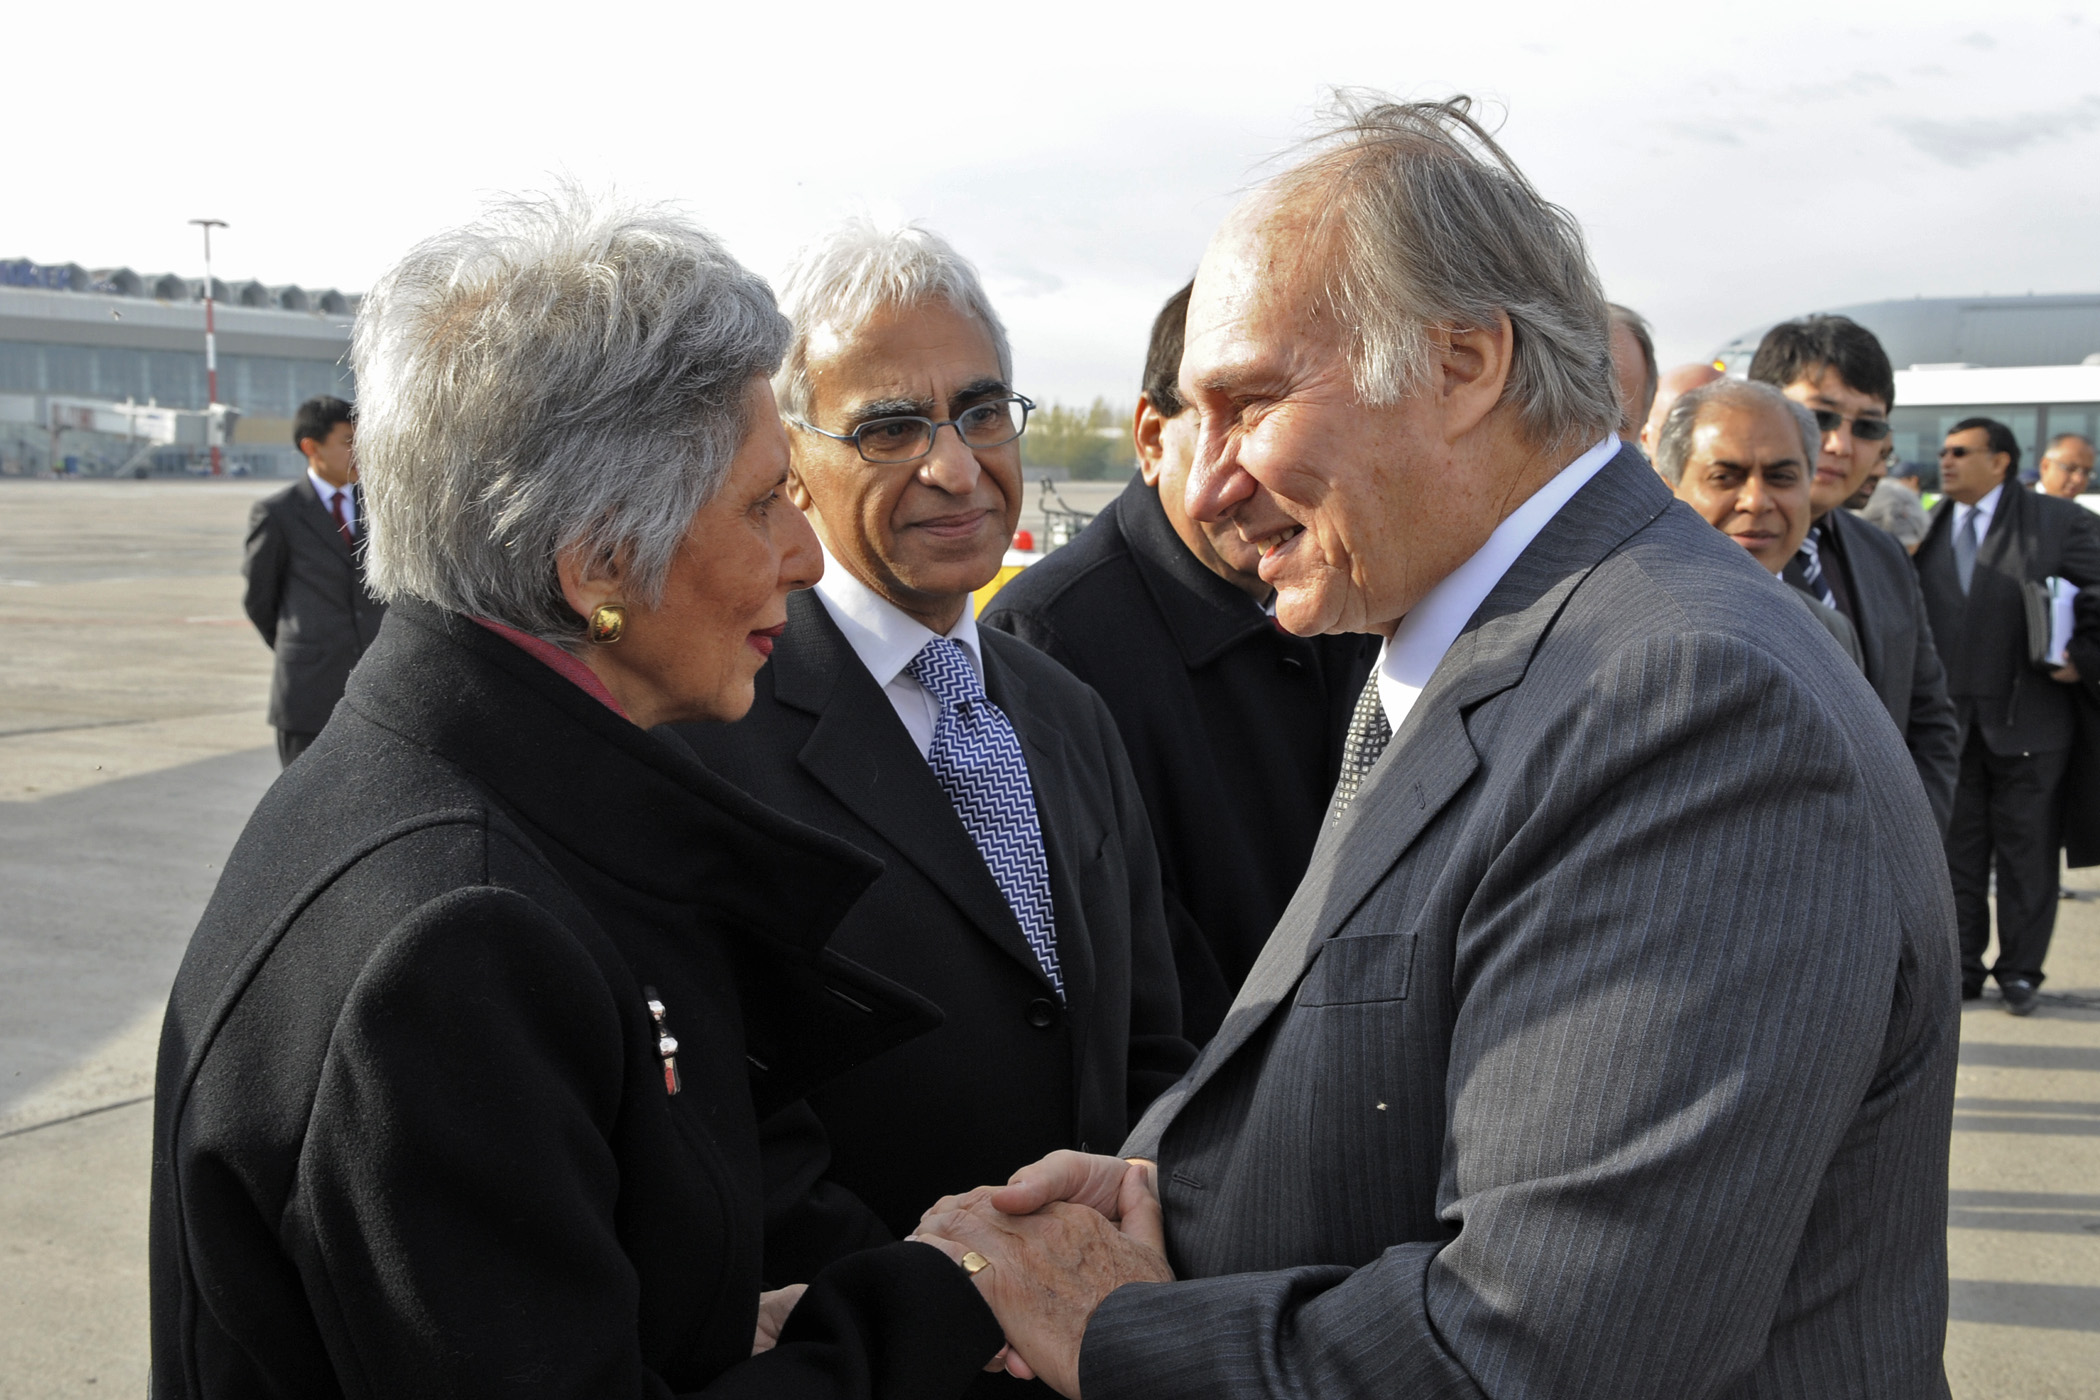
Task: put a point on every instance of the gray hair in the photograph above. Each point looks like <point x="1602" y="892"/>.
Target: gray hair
<point x="1433" y="225"/>
<point x="840" y="280"/>
<point x="556" y="374"/>
<point x="1673" y="444"/>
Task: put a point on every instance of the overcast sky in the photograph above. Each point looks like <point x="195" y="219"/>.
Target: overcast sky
<point x="1731" y="164"/>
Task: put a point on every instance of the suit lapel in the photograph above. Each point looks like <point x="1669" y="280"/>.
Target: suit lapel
<point x="1431" y="758"/>
<point x="1866" y="598"/>
<point x="2003" y="543"/>
<point x="1068" y="845"/>
<point x="861" y="754"/>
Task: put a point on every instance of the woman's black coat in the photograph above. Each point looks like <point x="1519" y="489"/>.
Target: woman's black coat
<point x="413" y="1135"/>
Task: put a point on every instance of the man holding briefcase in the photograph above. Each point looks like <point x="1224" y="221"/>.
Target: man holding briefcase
<point x="1985" y="564"/>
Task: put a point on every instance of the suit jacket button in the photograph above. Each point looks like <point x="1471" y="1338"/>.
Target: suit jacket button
<point x="1042" y="1013"/>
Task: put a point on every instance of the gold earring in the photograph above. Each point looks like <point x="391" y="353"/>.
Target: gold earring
<point x="608" y="624"/>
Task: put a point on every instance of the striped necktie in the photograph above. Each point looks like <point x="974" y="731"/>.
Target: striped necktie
<point x="1812" y="570"/>
<point x="977" y="758"/>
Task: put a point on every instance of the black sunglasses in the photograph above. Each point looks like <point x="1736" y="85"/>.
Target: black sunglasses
<point x="1960" y="452"/>
<point x="1865" y="429"/>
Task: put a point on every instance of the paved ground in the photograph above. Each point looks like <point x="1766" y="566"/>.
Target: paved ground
<point x="132" y="747"/>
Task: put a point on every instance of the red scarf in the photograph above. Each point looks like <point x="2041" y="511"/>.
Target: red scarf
<point x="561" y="662"/>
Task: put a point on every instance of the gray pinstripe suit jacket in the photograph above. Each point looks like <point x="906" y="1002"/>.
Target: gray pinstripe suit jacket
<point x="1607" y="1048"/>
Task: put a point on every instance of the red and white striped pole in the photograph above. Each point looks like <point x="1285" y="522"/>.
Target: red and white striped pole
<point x="211" y="347"/>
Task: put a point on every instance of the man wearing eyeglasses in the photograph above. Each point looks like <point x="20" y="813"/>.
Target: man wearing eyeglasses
<point x="1837" y="370"/>
<point x="1991" y="541"/>
<point x="2067" y="467"/>
<point x="1020" y="892"/>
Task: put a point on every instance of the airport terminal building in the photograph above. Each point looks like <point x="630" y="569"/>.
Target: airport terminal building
<point x="102" y="370"/>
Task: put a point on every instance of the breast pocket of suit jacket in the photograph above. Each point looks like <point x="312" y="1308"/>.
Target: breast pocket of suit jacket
<point x="1359" y="969"/>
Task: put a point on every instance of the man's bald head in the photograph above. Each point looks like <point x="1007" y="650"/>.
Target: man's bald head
<point x="1633" y="364"/>
<point x="1672" y="386"/>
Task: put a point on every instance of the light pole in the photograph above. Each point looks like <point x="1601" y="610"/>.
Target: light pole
<point x="211" y="347"/>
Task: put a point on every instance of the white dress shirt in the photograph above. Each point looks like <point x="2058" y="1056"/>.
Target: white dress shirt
<point x="328" y="494"/>
<point x="886" y="638"/>
<point x="1983" y="510"/>
<point x="1418" y="644"/>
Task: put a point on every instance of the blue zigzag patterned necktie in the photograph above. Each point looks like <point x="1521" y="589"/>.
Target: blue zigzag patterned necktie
<point x="977" y="758"/>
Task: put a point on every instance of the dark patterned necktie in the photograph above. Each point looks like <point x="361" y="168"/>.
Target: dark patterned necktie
<point x="1369" y="733"/>
<point x="977" y="758"/>
<point x="1812" y="569"/>
<point x="342" y="521"/>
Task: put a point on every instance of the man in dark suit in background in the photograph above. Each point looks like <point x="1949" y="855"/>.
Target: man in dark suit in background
<point x="1233" y="725"/>
<point x="1835" y="368"/>
<point x="306" y="577"/>
<point x="1990" y="539"/>
<point x="1020" y="891"/>
<point x="1591" y="1059"/>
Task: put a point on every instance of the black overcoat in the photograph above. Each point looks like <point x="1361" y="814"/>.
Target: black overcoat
<point x="1234" y="728"/>
<point x="1011" y="1074"/>
<point x="306" y="595"/>
<point x="413" y="1135"/>
<point x="1896" y="633"/>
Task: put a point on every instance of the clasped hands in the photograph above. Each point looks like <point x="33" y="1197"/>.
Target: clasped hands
<point x="1057" y="1239"/>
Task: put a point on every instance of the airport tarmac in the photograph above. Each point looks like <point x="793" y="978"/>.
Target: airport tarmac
<point x="132" y="746"/>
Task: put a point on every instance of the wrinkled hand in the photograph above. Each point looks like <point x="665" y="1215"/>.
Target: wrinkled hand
<point x="773" y="1310"/>
<point x="1051" y="1269"/>
<point x="1126" y="1192"/>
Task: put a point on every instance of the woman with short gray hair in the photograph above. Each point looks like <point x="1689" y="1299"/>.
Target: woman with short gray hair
<point x="461" y="1077"/>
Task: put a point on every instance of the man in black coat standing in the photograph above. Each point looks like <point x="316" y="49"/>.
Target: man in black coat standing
<point x="1020" y="893"/>
<point x="1836" y="369"/>
<point x="1233" y="725"/>
<point x="1990" y="542"/>
<point x="306" y="577"/>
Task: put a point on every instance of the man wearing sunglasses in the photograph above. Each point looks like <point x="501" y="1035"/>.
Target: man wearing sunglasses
<point x="1835" y="368"/>
<point x="1991" y="539"/>
<point x="1020" y="892"/>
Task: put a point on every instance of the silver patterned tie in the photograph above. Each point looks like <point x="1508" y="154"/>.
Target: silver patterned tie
<point x="977" y="758"/>
<point x="1965" y="551"/>
<point x="1369" y="732"/>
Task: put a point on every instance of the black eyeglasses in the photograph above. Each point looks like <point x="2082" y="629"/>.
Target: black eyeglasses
<point x="1959" y="452"/>
<point x="1865" y="429"/>
<point x="907" y="438"/>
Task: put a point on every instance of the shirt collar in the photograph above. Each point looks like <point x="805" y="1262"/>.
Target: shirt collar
<point x="1987" y="507"/>
<point x="326" y="492"/>
<point x="883" y="635"/>
<point x="1433" y="624"/>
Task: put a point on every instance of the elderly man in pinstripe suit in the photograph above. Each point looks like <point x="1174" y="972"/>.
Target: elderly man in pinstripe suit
<point x="1578" y="1065"/>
